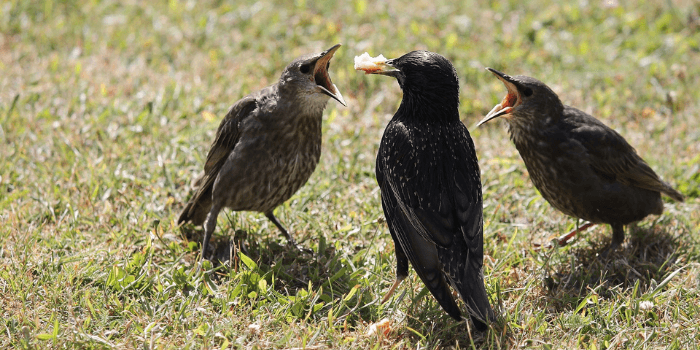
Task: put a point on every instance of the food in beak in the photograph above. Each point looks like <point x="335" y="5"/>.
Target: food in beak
<point x="370" y="64"/>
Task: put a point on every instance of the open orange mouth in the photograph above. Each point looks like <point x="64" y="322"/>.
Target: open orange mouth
<point x="323" y="79"/>
<point x="509" y="102"/>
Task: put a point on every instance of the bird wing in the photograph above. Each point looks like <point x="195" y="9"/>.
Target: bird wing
<point x="434" y="209"/>
<point x="414" y="189"/>
<point x="227" y="137"/>
<point x="423" y="254"/>
<point x="228" y="134"/>
<point x="611" y="155"/>
<point x="440" y="190"/>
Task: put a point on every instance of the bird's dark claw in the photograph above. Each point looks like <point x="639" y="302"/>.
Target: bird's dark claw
<point x="609" y="249"/>
<point x="293" y="244"/>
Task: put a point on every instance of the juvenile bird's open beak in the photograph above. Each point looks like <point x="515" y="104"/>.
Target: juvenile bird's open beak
<point x="512" y="99"/>
<point x="323" y="79"/>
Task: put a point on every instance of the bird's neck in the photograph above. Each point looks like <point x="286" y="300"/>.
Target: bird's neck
<point x="427" y="107"/>
<point x="522" y="134"/>
<point x="306" y="105"/>
<point x="525" y="132"/>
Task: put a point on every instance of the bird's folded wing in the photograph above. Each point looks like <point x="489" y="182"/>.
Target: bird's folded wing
<point x="434" y="209"/>
<point x="228" y="133"/>
<point x="226" y="138"/>
<point x="421" y="252"/>
<point x="441" y="198"/>
<point x="609" y="153"/>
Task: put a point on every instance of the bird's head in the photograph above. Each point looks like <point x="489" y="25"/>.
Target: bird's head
<point x="308" y="78"/>
<point x="527" y="100"/>
<point x="423" y="72"/>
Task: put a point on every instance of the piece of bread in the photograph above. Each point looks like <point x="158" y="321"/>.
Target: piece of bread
<point x="369" y="64"/>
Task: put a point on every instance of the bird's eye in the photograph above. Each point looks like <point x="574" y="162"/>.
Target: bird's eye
<point x="305" y="68"/>
<point x="527" y="92"/>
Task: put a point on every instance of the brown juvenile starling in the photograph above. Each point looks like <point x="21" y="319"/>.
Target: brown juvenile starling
<point x="579" y="165"/>
<point x="266" y="147"/>
<point x="430" y="184"/>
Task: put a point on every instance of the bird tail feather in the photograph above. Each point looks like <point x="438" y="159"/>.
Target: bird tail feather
<point x="477" y="300"/>
<point x="468" y="280"/>
<point x="197" y="209"/>
<point x="671" y="192"/>
<point x="425" y="259"/>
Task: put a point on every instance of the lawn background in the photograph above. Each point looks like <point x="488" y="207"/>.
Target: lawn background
<point x="107" y="110"/>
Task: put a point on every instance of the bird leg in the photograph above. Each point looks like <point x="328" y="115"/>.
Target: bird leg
<point x="392" y="289"/>
<point x="564" y="240"/>
<point x="209" y="227"/>
<point x="617" y="238"/>
<point x="401" y="269"/>
<point x="290" y="239"/>
<point x="286" y="234"/>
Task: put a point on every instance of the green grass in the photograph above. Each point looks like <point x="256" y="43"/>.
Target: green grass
<point x="102" y="130"/>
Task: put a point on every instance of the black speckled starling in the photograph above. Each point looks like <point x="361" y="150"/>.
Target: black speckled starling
<point x="267" y="146"/>
<point x="430" y="184"/>
<point x="580" y="166"/>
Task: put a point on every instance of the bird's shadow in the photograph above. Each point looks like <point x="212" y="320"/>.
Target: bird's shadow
<point x="422" y="319"/>
<point x="646" y="257"/>
<point x="295" y="270"/>
<point x="445" y="332"/>
<point x="290" y="268"/>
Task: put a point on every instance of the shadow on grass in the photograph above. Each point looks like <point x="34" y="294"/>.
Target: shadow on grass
<point x="293" y="268"/>
<point x="423" y="320"/>
<point x="646" y="257"/>
<point x="442" y="331"/>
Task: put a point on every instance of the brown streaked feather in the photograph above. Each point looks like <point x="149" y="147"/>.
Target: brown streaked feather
<point x="226" y="138"/>
<point x="610" y="154"/>
<point x="227" y="135"/>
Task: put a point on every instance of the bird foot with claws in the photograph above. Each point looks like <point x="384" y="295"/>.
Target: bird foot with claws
<point x="292" y="243"/>
<point x="609" y="249"/>
<point x="299" y="248"/>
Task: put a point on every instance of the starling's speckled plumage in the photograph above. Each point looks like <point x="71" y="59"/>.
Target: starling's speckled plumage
<point x="266" y="147"/>
<point x="579" y="165"/>
<point x="430" y="186"/>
